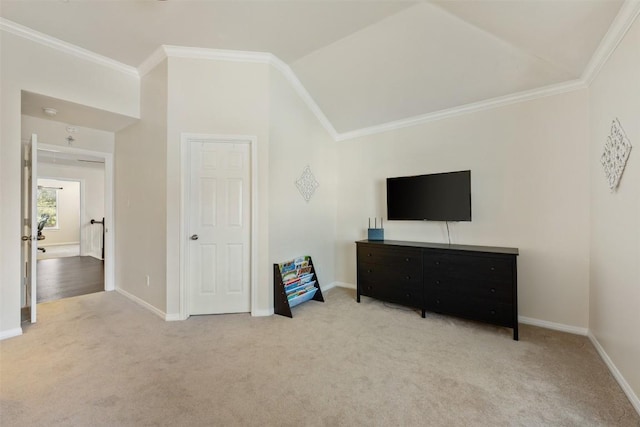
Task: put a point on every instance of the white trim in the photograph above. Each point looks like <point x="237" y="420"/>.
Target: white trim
<point x="633" y="398"/>
<point x="554" y="326"/>
<point x="109" y="236"/>
<point x="262" y="312"/>
<point x="465" y="109"/>
<point x="621" y="24"/>
<point x="62" y="46"/>
<point x="297" y="85"/>
<point x="325" y="288"/>
<point x="217" y="54"/>
<point x="172" y="317"/>
<point x="338" y="285"/>
<point x="185" y="140"/>
<point x="152" y="61"/>
<point x="142" y="303"/>
<point x="627" y="14"/>
<point x="48" y="245"/>
<point x="10" y="333"/>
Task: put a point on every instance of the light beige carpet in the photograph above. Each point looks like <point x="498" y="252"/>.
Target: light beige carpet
<point x="102" y="360"/>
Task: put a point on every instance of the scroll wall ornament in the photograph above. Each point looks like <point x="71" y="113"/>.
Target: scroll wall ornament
<point x="615" y="155"/>
<point x="307" y="184"/>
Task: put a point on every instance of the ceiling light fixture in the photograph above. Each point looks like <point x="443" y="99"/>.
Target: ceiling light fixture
<point x="51" y="112"/>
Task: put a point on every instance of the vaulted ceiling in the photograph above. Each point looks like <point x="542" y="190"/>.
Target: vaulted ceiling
<point x="365" y="63"/>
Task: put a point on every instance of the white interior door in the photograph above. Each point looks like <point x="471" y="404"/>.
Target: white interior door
<point x="30" y="224"/>
<point x="219" y="211"/>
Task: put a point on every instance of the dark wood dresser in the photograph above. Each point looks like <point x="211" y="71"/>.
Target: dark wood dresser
<point x="474" y="282"/>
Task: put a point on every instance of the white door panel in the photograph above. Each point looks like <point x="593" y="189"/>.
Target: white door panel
<point x="30" y="224"/>
<point x="219" y="215"/>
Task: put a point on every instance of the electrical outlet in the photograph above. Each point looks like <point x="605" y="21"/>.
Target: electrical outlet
<point x="147" y="276"/>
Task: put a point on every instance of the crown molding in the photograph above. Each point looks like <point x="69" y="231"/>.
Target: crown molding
<point x="465" y="109"/>
<point x="152" y="61"/>
<point x="628" y="13"/>
<point x="297" y="85"/>
<point x="62" y="46"/>
<point x="217" y="54"/>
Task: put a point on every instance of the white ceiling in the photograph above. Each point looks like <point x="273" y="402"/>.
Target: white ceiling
<point x="365" y="63"/>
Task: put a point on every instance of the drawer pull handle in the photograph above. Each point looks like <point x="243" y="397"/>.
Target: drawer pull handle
<point x="493" y="268"/>
<point x="406" y="259"/>
<point x="493" y="290"/>
<point x="369" y="287"/>
<point x="437" y="262"/>
<point x="493" y="312"/>
<point x="407" y="295"/>
<point x="368" y="271"/>
<point x="369" y="254"/>
<point x="437" y="282"/>
<point x="437" y="301"/>
<point x="408" y="277"/>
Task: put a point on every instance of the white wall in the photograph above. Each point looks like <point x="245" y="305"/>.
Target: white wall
<point x="530" y="190"/>
<point x="225" y="98"/>
<point x="52" y="132"/>
<point x="140" y="196"/>
<point x="68" y="227"/>
<point x="614" y="314"/>
<point x="93" y="184"/>
<point x="25" y="65"/>
<point x="297" y="139"/>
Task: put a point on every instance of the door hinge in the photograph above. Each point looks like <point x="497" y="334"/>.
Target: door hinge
<point x="27" y="163"/>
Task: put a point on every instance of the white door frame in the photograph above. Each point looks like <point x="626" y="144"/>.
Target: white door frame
<point x="109" y="227"/>
<point x="185" y="140"/>
<point x="81" y="201"/>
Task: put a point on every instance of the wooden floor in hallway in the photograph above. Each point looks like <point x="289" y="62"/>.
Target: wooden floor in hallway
<point x="69" y="277"/>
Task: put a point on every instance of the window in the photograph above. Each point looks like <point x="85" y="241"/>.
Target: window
<point x="48" y="205"/>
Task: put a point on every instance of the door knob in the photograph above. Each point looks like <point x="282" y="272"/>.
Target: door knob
<point x="25" y="238"/>
<point x="194" y="237"/>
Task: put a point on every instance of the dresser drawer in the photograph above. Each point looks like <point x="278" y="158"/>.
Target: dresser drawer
<point x="471" y="308"/>
<point x="405" y="276"/>
<point x="469" y="266"/>
<point x="406" y="259"/>
<point x="399" y="294"/>
<point x="494" y="290"/>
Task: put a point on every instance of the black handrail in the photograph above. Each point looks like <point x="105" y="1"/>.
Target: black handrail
<point x="93" y="221"/>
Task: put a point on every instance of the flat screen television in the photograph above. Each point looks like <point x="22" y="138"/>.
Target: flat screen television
<point x="433" y="197"/>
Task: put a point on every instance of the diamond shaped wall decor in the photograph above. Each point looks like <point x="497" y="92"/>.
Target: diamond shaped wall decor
<point x="615" y="155"/>
<point x="307" y="184"/>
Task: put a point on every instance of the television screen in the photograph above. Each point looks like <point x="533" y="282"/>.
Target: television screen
<point x="434" y="197"/>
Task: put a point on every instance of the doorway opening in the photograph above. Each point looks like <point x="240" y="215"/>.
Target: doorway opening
<point x="75" y="249"/>
<point x="69" y="260"/>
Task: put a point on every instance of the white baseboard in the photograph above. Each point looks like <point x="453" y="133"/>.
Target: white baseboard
<point x="143" y="303"/>
<point x="552" y="325"/>
<point x="15" y="332"/>
<point x="633" y="398"/>
<point x="338" y="285"/>
<point x="173" y="317"/>
<point x="47" y="245"/>
<point x="262" y="312"/>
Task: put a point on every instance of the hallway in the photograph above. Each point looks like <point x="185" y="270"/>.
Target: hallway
<point x="69" y="277"/>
